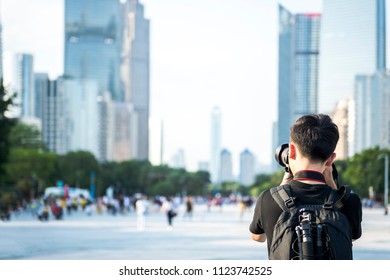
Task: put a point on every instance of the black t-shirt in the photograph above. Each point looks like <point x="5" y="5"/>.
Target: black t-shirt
<point x="267" y="211"/>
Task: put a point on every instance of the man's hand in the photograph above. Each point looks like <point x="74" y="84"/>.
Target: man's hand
<point x="329" y="177"/>
<point x="287" y="178"/>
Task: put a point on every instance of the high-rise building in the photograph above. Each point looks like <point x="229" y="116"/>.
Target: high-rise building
<point x="53" y="116"/>
<point x="124" y="131"/>
<point x="25" y="83"/>
<point x="353" y="42"/>
<point x="247" y="168"/>
<point x="226" y="166"/>
<point x="135" y="71"/>
<point x="299" y="36"/>
<point x="371" y="111"/>
<point x="107" y="144"/>
<point x="82" y="115"/>
<point x="93" y="43"/>
<point x="107" y="41"/>
<point x="340" y="116"/>
<point x="215" y="150"/>
<point x="41" y="83"/>
<point x="75" y="117"/>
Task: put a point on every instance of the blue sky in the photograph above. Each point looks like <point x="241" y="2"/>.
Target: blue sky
<point x="204" y="53"/>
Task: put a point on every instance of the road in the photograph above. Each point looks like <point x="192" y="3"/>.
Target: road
<point x="214" y="235"/>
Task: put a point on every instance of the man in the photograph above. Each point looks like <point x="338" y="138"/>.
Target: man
<point x="141" y="208"/>
<point x="313" y="139"/>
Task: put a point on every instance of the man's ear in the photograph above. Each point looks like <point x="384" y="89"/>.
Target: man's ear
<point x="292" y="152"/>
<point x="330" y="160"/>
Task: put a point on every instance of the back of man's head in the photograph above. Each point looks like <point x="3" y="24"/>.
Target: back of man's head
<point x="316" y="136"/>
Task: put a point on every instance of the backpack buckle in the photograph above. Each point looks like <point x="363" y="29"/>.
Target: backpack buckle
<point x="328" y="205"/>
<point x="290" y="202"/>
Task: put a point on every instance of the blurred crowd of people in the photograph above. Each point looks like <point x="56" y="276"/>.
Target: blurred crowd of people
<point x="59" y="207"/>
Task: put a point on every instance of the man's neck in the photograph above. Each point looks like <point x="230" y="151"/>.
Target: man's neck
<point x="311" y="167"/>
<point x="309" y="177"/>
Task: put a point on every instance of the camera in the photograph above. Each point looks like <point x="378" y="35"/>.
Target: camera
<point x="281" y="157"/>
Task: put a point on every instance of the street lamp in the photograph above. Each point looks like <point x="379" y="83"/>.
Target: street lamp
<point x="386" y="156"/>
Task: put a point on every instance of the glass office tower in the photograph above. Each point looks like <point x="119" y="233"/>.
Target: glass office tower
<point x="298" y="68"/>
<point x="135" y="72"/>
<point x="352" y="43"/>
<point x="93" y="43"/>
<point x="25" y="83"/>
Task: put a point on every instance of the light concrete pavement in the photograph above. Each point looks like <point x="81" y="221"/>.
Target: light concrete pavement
<point x="211" y="235"/>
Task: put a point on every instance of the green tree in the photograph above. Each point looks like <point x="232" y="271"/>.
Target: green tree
<point x="5" y="128"/>
<point x="75" y="168"/>
<point x="164" y="187"/>
<point x="364" y="170"/>
<point x="197" y="183"/>
<point x="25" y="136"/>
<point x="30" y="170"/>
<point x="266" y="181"/>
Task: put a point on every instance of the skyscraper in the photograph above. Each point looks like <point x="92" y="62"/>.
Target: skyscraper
<point x="93" y="43"/>
<point x="226" y="166"/>
<point x="215" y="150"/>
<point x="107" y="43"/>
<point x="353" y="42"/>
<point x="41" y="82"/>
<point x="298" y="68"/>
<point x="25" y="83"/>
<point x="82" y="116"/>
<point x="247" y="168"/>
<point x="340" y="116"/>
<point x="53" y="118"/>
<point x="135" y="71"/>
<point x="371" y="112"/>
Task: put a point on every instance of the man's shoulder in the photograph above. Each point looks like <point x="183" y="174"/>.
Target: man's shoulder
<point x="266" y="198"/>
<point x="265" y="194"/>
<point x="353" y="200"/>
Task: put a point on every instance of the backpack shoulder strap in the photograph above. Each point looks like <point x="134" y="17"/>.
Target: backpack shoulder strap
<point x="337" y="199"/>
<point x="282" y="196"/>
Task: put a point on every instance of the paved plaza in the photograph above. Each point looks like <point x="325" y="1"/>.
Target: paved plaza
<point x="214" y="235"/>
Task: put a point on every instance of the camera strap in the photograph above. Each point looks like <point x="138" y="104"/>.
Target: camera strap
<point x="309" y="175"/>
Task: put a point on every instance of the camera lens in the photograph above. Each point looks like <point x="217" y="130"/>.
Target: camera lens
<point x="281" y="155"/>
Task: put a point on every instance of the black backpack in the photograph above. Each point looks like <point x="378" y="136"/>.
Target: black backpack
<point x="311" y="232"/>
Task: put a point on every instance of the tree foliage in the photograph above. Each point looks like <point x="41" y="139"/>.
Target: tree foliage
<point x="28" y="170"/>
<point x="266" y="181"/>
<point x="364" y="170"/>
<point x="25" y="136"/>
<point x="5" y="128"/>
<point x="75" y="168"/>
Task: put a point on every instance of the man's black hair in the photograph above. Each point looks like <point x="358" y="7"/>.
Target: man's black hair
<point x="316" y="136"/>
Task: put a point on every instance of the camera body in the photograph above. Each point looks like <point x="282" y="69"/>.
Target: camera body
<point x="281" y="157"/>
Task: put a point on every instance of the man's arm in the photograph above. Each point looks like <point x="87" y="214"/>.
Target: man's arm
<point x="259" y="237"/>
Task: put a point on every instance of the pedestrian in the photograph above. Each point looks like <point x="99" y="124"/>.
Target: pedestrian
<point x="313" y="140"/>
<point x="189" y="208"/>
<point x="141" y="208"/>
<point x="169" y="208"/>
